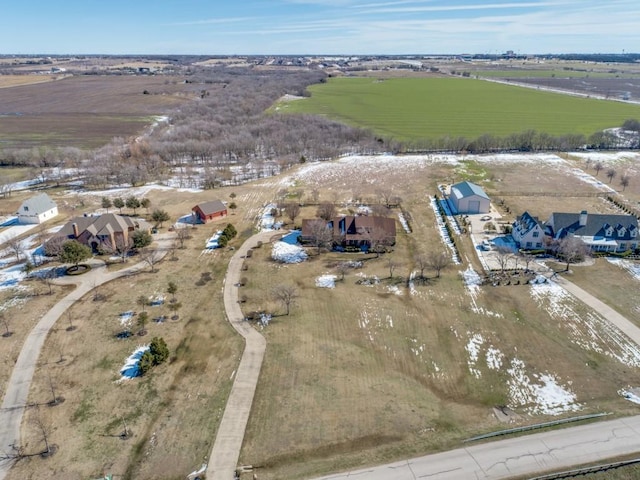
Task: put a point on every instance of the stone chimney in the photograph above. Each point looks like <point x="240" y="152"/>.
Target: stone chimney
<point x="583" y="218"/>
<point x="76" y="233"/>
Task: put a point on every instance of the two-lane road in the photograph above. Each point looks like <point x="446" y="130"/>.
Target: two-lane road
<point x="514" y="457"/>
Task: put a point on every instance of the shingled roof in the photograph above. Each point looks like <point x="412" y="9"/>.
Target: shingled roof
<point x="212" y="206"/>
<point x="562" y="224"/>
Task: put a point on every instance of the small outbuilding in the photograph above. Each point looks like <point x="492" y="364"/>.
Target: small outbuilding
<point x="37" y="209"/>
<point x="468" y="198"/>
<point x="208" y="211"/>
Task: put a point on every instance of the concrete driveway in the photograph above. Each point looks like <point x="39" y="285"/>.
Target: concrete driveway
<point x="17" y="392"/>
<point x="223" y="460"/>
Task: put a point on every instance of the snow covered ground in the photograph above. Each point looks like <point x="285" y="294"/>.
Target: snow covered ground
<point x="131" y="367"/>
<point x="588" y="330"/>
<point x="286" y="253"/>
<point x="326" y="281"/>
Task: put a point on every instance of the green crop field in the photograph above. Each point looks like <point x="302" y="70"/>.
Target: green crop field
<point x="416" y="108"/>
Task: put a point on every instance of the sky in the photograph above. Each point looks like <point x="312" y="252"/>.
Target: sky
<point x="329" y="27"/>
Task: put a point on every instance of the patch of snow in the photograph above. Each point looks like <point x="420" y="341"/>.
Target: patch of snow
<point x="631" y="267"/>
<point x="12" y="276"/>
<point x="444" y="234"/>
<point x="473" y="350"/>
<point x="412" y="283"/>
<point x="494" y="358"/>
<point x="286" y="253"/>
<point x="126" y="318"/>
<point x="543" y="396"/>
<point x="403" y="222"/>
<point x="326" y="281"/>
<point x="267" y="221"/>
<point x="629" y="394"/>
<point x="589" y="331"/>
<point x="131" y="368"/>
<point x="395" y="290"/>
<point x="472" y="280"/>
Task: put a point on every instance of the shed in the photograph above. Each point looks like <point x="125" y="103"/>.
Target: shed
<point x="207" y="211"/>
<point x="468" y="198"/>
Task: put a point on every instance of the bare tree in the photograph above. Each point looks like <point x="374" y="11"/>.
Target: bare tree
<point x="150" y="257"/>
<point x="422" y="262"/>
<point x="392" y="264"/>
<point x="54" y="398"/>
<point x="285" y="294"/>
<point x="326" y="211"/>
<point x="502" y="256"/>
<point x="15" y="246"/>
<point x="44" y="429"/>
<point x="624" y="181"/>
<point x="46" y="278"/>
<point x="597" y="167"/>
<point x="611" y="173"/>
<point x="572" y="249"/>
<point x="342" y="268"/>
<point x="438" y="261"/>
<point x="384" y="196"/>
<point x="4" y="320"/>
<point x="292" y="209"/>
<point x="321" y="235"/>
<point x="315" y="195"/>
<point x="182" y="235"/>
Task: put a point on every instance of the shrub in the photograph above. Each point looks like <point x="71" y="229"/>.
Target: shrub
<point x="159" y="350"/>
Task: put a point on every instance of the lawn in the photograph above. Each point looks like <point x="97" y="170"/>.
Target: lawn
<point x="415" y="108"/>
<point x="359" y="374"/>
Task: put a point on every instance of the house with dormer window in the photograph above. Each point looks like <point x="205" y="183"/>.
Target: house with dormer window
<point x="528" y="232"/>
<point x="601" y="232"/>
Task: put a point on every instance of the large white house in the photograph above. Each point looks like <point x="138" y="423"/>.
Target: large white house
<point x="37" y="209"/>
<point x="601" y="232"/>
<point x="469" y="198"/>
<point x="528" y="232"/>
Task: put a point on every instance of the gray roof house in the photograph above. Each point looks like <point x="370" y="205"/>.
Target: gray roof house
<point x="467" y="197"/>
<point x="37" y="209"/>
<point x="528" y="232"/>
<point x="601" y="232"/>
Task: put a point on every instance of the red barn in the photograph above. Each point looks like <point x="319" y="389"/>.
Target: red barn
<point x="207" y="211"/>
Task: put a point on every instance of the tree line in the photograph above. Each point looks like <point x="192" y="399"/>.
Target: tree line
<point x="230" y="135"/>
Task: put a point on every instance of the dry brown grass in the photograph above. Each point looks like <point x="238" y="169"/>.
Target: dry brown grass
<point x="15" y="80"/>
<point x="341" y="387"/>
<point x="355" y="375"/>
<point x="86" y="111"/>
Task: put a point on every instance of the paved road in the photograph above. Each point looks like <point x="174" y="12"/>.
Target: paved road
<point x="530" y="454"/>
<point x="17" y="392"/>
<point x="223" y="460"/>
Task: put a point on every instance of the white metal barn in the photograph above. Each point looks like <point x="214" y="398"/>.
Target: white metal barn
<point x="37" y="209"/>
<point x="467" y="197"/>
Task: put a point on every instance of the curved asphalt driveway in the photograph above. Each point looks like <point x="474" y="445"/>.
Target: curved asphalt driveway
<point x="223" y="460"/>
<point x="16" y="395"/>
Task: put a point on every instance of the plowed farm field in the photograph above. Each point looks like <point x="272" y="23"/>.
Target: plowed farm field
<point x="85" y="111"/>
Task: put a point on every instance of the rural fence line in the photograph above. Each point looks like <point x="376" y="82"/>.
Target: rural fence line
<point x="552" y="194"/>
<point x="537" y="426"/>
